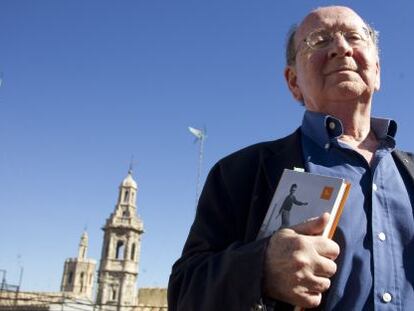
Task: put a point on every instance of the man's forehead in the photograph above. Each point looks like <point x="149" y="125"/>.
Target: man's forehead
<point x="329" y="17"/>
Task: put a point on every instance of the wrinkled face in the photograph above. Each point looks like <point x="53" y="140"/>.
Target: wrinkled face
<point x="342" y="71"/>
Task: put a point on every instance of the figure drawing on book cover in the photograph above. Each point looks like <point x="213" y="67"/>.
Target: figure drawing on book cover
<point x="309" y="196"/>
<point x="287" y="205"/>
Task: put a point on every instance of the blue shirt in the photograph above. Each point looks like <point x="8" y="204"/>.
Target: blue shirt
<point x="376" y="230"/>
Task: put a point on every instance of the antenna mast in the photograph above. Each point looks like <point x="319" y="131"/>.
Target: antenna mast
<point x="200" y="137"/>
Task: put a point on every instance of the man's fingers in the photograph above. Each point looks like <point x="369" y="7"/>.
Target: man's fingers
<point x="324" y="267"/>
<point x="306" y="299"/>
<point x="312" y="300"/>
<point x="326" y="247"/>
<point x="309" y="293"/>
<point x="313" y="226"/>
<point x="319" y="284"/>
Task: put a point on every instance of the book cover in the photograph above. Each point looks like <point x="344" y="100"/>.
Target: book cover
<point x="300" y="196"/>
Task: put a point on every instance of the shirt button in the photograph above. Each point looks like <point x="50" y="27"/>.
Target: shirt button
<point x="327" y="145"/>
<point x="386" y="297"/>
<point x="332" y="125"/>
<point x="381" y="236"/>
<point x="374" y="187"/>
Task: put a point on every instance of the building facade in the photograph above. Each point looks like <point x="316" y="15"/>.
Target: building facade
<point x="118" y="269"/>
<point x="78" y="273"/>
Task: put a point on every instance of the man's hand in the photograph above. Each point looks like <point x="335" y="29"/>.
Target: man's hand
<point x="298" y="263"/>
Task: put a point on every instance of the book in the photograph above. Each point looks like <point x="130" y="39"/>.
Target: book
<point x="300" y="196"/>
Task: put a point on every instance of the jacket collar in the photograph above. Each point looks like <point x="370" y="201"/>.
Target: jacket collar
<point x="281" y="154"/>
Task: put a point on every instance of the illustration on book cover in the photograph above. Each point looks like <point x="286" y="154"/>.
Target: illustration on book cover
<point x="300" y="196"/>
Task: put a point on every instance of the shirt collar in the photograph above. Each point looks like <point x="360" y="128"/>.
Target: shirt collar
<point x="324" y="129"/>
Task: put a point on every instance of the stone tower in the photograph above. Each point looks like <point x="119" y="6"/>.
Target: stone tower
<point x="118" y="270"/>
<point x="79" y="272"/>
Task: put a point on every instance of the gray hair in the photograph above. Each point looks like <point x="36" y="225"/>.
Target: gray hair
<point x="291" y="49"/>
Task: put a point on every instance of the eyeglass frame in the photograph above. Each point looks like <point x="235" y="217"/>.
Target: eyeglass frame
<point x="290" y="58"/>
<point x="344" y="34"/>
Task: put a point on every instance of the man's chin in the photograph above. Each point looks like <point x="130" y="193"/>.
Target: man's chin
<point x="347" y="89"/>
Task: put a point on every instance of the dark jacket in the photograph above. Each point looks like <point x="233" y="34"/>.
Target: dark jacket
<point x="221" y="266"/>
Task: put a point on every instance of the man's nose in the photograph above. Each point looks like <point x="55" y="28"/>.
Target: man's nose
<point x="339" y="47"/>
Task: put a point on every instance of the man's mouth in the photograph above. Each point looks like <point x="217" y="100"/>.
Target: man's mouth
<point x="339" y="70"/>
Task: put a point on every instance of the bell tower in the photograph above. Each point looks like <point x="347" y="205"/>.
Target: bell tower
<point x="118" y="270"/>
<point x="79" y="272"/>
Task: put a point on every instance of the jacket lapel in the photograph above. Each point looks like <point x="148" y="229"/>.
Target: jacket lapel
<point x="274" y="158"/>
<point x="286" y="153"/>
<point x="406" y="160"/>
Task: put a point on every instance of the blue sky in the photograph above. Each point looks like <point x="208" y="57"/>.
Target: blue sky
<point x="86" y="84"/>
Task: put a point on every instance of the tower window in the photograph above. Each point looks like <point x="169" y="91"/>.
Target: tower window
<point x="120" y="248"/>
<point x="70" y="277"/>
<point x="82" y="281"/>
<point x="125" y="212"/>
<point x="113" y="294"/>
<point x="126" y="196"/>
<point x="133" y="251"/>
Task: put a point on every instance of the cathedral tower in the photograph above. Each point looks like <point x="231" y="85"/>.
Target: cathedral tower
<point x="118" y="269"/>
<point x="79" y="272"/>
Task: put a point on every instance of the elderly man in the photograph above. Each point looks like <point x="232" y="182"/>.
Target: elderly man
<point x="333" y="69"/>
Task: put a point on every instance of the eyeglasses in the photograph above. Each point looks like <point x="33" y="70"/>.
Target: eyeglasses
<point x="322" y="38"/>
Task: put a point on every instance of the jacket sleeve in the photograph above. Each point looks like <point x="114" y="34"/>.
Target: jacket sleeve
<point x="218" y="269"/>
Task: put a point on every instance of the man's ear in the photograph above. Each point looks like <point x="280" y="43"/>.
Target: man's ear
<point x="378" y="77"/>
<point x="291" y="80"/>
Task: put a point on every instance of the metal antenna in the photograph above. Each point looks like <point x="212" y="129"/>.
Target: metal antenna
<point x="19" y="258"/>
<point x="200" y="136"/>
<point x="1" y="85"/>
